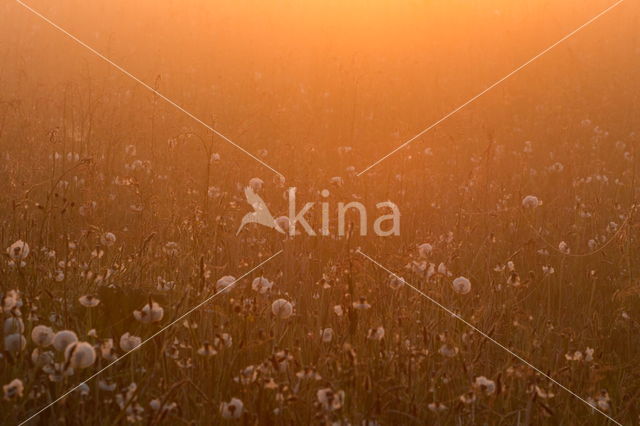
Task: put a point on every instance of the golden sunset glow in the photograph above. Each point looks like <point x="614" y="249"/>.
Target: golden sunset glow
<point x="319" y="212"/>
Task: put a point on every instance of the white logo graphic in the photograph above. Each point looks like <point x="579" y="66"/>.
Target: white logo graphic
<point x="287" y="224"/>
<point x="261" y="213"/>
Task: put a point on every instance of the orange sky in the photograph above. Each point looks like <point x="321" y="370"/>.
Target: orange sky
<point x="366" y="73"/>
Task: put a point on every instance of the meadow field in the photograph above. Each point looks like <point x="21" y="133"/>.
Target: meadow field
<point x="134" y="136"/>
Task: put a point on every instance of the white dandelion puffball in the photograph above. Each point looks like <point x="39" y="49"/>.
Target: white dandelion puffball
<point x="83" y="388"/>
<point x="42" y="335"/>
<point x="395" y="282"/>
<point x="13" y="325"/>
<point x="14" y="343"/>
<point x="41" y="358"/>
<point x="106" y="350"/>
<point x="18" y="250"/>
<point x="13" y="390"/>
<point x="232" y="409"/>
<point x="80" y="355"/>
<point x="106" y="386"/>
<point x="151" y="312"/>
<point x="89" y="301"/>
<point x="425" y="249"/>
<point x="337" y="180"/>
<point x="485" y="385"/>
<point x="461" y="285"/>
<point x="10" y="300"/>
<point x="261" y="285"/>
<point x="64" y="338"/>
<point x="531" y="202"/>
<point x="448" y="351"/>
<point x="256" y="184"/>
<point x="282" y="308"/>
<point x="107" y="239"/>
<point x="327" y="334"/>
<point x="330" y="400"/>
<point x="442" y="269"/>
<point x="129" y="342"/>
<point x="225" y="283"/>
